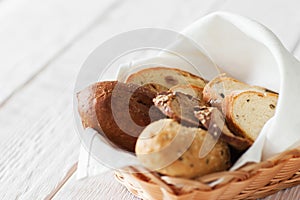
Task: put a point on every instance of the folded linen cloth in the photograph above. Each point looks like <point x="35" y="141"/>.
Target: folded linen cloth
<point x="245" y="50"/>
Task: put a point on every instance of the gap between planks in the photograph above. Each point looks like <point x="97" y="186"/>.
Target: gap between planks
<point x="70" y="173"/>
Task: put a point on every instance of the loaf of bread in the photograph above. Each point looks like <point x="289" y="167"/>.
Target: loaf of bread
<point x="172" y="149"/>
<point x="213" y="121"/>
<point x="248" y="111"/>
<point x="117" y="110"/>
<point x="192" y="90"/>
<point x="167" y="77"/>
<point x="179" y="107"/>
<point x="215" y="90"/>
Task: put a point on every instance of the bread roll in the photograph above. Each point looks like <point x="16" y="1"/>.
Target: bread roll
<point x="117" y="110"/>
<point x="172" y="149"/>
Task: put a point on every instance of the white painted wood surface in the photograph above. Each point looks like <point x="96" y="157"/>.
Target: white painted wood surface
<point x="42" y="46"/>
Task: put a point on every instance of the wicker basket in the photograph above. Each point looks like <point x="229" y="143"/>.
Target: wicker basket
<point x="252" y="181"/>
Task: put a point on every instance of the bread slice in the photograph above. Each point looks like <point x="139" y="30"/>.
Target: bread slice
<point x="172" y="149"/>
<point x="248" y="111"/>
<point x="179" y="107"/>
<point x="213" y="121"/>
<point x="118" y="111"/>
<point x="193" y="90"/>
<point x="167" y="77"/>
<point x="216" y="90"/>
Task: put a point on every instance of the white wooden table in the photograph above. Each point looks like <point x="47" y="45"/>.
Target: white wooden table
<point x="42" y="47"/>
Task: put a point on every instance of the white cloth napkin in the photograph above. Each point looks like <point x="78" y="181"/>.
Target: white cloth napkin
<point x="248" y="51"/>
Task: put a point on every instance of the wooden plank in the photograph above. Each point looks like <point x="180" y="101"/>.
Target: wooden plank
<point x="34" y="32"/>
<point x="103" y="186"/>
<point x="290" y="193"/>
<point x="282" y="17"/>
<point x="38" y="143"/>
<point x="62" y="183"/>
<point x="109" y="187"/>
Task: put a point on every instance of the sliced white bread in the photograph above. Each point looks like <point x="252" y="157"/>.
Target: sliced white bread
<point x="248" y="111"/>
<point x="193" y="90"/>
<point x="167" y="77"/>
<point x="215" y="90"/>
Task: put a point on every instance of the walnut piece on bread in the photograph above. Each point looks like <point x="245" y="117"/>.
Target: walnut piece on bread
<point x="118" y="111"/>
<point x="172" y="149"/>
<point x="213" y="120"/>
<point x="178" y="106"/>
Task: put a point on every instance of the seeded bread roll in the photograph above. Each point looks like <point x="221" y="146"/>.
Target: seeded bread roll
<point x="117" y="110"/>
<point x="179" y="107"/>
<point x="171" y="149"/>
<point x="192" y="90"/>
<point x="216" y="90"/>
<point x="167" y="77"/>
<point x="248" y="111"/>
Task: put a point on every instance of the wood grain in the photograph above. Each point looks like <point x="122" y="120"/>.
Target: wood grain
<point x="38" y="142"/>
<point x="33" y="33"/>
<point x="43" y="44"/>
<point x="62" y="182"/>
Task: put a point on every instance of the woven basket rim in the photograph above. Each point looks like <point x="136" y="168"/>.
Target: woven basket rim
<point x="279" y="164"/>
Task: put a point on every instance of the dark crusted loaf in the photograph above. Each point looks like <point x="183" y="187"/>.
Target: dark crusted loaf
<point x="119" y="111"/>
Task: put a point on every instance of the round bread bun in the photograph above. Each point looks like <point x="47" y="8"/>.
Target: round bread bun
<point x="171" y="149"/>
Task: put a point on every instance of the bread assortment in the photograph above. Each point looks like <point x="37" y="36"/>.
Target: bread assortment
<point x="168" y="117"/>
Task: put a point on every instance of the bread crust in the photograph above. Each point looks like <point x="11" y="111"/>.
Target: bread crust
<point x="212" y="119"/>
<point x="227" y="109"/>
<point x="179" y="107"/>
<point x="193" y="90"/>
<point x="169" y="81"/>
<point x="103" y="106"/>
<point x="215" y="96"/>
<point x="172" y="149"/>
